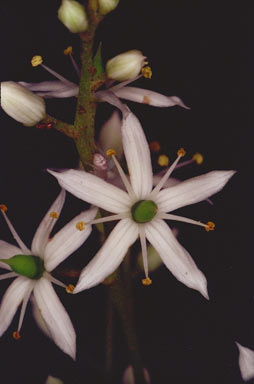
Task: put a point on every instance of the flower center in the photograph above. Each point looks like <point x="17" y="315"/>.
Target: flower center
<point x="143" y="211"/>
<point x="26" y="265"/>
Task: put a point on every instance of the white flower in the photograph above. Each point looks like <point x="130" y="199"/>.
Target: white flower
<point x="246" y="362"/>
<point x="62" y="88"/>
<point x="33" y="271"/>
<point x="73" y="15"/>
<point x="22" y="104"/>
<point x="141" y="211"/>
<point x="125" y="66"/>
<point x="106" y="6"/>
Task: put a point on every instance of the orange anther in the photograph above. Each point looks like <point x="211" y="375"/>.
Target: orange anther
<point x="54" y="215"/>
<point x="147" y="281"/>
<point x="70" y="288"/>
<point x="81" y="225"/>
<point x="3" y="207"/>
<point x="181" y="152"/>
<point x="209" y="226"/>
<point x="16" y="335"/>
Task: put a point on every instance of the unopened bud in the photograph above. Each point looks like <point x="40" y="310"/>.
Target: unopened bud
<point x="106" y="6"/>
<point x="73" y="15"/>
<point x="125" y="66"/>
<point x="21" y="104"/>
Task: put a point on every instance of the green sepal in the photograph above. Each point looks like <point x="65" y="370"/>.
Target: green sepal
<point x="26" y="265"/>
<point x="144" y="211"/>
<point x="97" y="61"/>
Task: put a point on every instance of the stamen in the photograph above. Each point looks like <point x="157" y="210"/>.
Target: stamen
<point x="68" y="50"/>
<point x="168" y="216"/>
<point x="144" y="250"/>
<point x="54" y="280"/>
<point x="110" y="152"/>
<point x="155" y="146"/>
<point x="16" y="335"/>
<point x="181" y="152"/>
<point x="23" y="308"/>
<point x="109" y="218"/>
<point x="81" y="225"/>
<point x="54" y="215"/>
<point x="70" y="288"/>
<point x="198" y="157"/>
<point x="124" y="178"/>
<point x="147" y="72"/>
<point x="209" y="226"/>
<point x="163" y="160"/>
<point x="15" y="235"/>
<point x="36" y="60"/>
<point x="3" y="207"/>
<point x="147" y="281"/>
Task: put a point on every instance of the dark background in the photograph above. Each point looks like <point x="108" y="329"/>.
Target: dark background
<point x="203" y="53"/>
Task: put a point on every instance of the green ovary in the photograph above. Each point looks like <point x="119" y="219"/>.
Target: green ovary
<point x="144" y="211"/>
<point x="26" y="265"/>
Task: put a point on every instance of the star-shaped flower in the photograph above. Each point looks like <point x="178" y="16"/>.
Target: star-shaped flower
<point x="32" y="269"/>
<point x="142" y="210"/>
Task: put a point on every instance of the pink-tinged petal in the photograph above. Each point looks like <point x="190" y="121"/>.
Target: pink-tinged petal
<point x="246" y="362"/>
<point x="109" y="256"/>
<point x="68" y="239"/>
<point x="110" y="135"/>
<point x="55" y="316"/>
<point x="7" y="251"/>
<point x="12" y="299"/>
<point x="145" y="96"/>
<point x="175" y="257"/>
<point x="137" y="155"/>
<point x="192" y="191"/>
<point x="94" y="190"/>
<point x="41" y="236"/>
<point x="44" y="86"/>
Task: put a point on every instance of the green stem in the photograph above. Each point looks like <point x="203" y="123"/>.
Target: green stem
<point x="123" y="302"/>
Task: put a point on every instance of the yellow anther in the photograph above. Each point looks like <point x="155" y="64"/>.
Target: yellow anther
<point x="163" y="160"/>
<point x="3" y="207"/>
<point x="36" y="60"/>
<point x="181" y="152"/>
<point x="68" y="50"/>
<point x="16" y="335"/>
<point x="81" y="225"/>
<point x="209" y="226"/>
<point x="155" y="146"/>
<point x="69" y="288"/>
<point x="110" y="152"/>
<point x="54" y="215"/>
<point x="147" y="281"/>
<point x="198" y="158"/>
<point x="147" y="72"/>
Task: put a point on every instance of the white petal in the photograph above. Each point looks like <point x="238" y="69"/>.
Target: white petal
<point x="192" y="191"/>
<point x="137" y="155"/>
<point x="146" y="96"/>
<point x="175" y="257"/>
<point x="110" y="135"/>
<point x="68" y="239"/>
<point x="55" y="316"/>
<point x="109" y="256"/>
<point x="47" y="224"/>
<point x="94" y="190"/>
<point x="246" y="362"/>
<point x="12" y="299"/>
<point x="7" y="251"/>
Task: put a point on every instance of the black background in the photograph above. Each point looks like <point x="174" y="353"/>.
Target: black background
<point x="203" y="53"/>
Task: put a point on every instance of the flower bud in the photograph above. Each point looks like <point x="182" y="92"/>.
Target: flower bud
<point x="21" y="104"/>
<point x="106" y="6"/>
<point x="73" y="15"/>
<point x="125" y="66"/>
